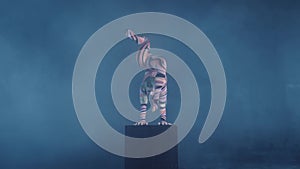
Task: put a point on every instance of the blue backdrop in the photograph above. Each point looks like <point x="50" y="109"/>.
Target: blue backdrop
<point x="258" y="43"/>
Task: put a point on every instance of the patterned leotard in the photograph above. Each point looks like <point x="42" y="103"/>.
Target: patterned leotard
<point x="154" y="84"/>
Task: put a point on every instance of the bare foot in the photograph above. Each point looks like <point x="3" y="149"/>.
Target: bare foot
<point x="141" y="123"/>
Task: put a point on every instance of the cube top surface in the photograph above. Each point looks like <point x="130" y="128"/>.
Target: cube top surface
<point x="146" y="130"/>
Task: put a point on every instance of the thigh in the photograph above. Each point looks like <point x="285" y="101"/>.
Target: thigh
<point x="163" y="96"/>
<point x="143" y="95"/>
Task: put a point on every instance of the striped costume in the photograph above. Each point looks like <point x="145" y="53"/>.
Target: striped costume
<point x="154" y="85"/>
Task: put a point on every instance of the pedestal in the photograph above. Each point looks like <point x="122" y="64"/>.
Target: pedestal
<point x="166" y="160"/>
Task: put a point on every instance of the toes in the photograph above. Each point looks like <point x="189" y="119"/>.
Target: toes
<point x="141" y="123"/>
<point x="164" y="123"/>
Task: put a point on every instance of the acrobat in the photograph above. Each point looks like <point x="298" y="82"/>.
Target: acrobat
<point x="154" y="83"/>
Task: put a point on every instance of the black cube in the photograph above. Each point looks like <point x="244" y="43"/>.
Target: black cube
<point x="166" y="160"/>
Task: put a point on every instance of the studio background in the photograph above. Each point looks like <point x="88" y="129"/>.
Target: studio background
<point x="258" y="43"/>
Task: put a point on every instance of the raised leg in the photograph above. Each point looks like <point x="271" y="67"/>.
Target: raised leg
<point x="138" y="39"/>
